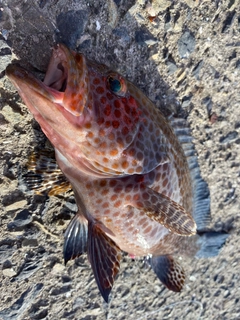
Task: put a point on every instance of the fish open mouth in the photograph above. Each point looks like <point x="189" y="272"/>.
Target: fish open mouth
<point x="66" y="81"/>
<point x="57" y="73"/>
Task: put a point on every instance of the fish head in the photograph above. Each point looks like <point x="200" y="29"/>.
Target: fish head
<point x="65" y="86"/>
<point x="86" y="110"/>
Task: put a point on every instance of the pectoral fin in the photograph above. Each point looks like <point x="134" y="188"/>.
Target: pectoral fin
<point x="75" y="238"/>
<point x="104" y="256"/>
<point x="164" y="210"/>
<point x="43" y="174"/>
<point x="169" y="272"/>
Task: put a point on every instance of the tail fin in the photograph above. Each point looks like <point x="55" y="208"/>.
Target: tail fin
<point x="210" y="243"/>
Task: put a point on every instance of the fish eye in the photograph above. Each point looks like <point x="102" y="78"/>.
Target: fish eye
<point x="117" y="84"/>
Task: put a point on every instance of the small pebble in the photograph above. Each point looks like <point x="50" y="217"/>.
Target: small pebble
<point x="9" y="272"/>
<point x="16" y="205"/>
<point x="192" y="278"/>
<point x="58" y="267"/>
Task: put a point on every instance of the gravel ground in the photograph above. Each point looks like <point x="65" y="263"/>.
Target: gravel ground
<point x="181" y="54"/>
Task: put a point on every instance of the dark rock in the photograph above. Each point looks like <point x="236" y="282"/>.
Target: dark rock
<point x="171" y="67"/>
<point x="60" y="290"/>
<point x="12" y="197"/>
<point x="186" y="44"/>
<point x="18" y="308"/>
<point x="122" y="33"/>
<point x="228" y="21"/>
<point x="66" y="278"/>
<point x="22" y="219"/>
<point x="7" y="249"/>
<point x="84" y="45"/>
<point x="229" y="137"/>
<point x="142" y="36"/>
<point x="186" y="101"/>
<point x="70" y="26"/>
<point x="30" y="243"/>
<point x="207" y="101"/>
<point x="42" y="3"/>
<point x="29" y="267"/>
<point x="197" y="68"/>
<point x="7" y="264"/>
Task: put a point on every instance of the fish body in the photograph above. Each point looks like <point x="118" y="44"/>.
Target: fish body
<point x="128" y="170"/>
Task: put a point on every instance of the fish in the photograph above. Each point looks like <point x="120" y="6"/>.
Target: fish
<point x="134" y="173"/>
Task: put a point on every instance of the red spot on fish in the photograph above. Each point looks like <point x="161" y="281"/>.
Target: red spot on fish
<point x="115" y="165"/>
<point x="96" y="81"/>
<point x="111" y="136"/>
<point x="127" y="109"/>
<point x="109" y="96"/>
<point x="112" y="183"/>
<point x="107" y="110"/>
<point x="113" y="152"/>
<point x="128" y="197"/>
<point x="132" y="100"/>
<point x="100" y="121"/>
<point x="115" y="124"/>
<point x="117" y="113"/>
<point x="103" y="145"/>
<point x="102" y="133"/>
<point x="100" y="90"/>
<point x="114" y="197"/>
<point x="103" y="183"/>
<point x="104" y="192"/>
<point x="125" y="131"/>
<point x="107" y="124"/>
<point x="117" y="204"/>
<point x="127" y="120"/>
<point x="105" y="205"/>
<point x="125" y="164"/>
<point x="117" y="104"/>
<point x="103" y="100"/>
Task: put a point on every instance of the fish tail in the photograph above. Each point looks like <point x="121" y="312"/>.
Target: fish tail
<point x="210" y="243"/>
<point x="43" y="175"/>
<point x="201" y="194"/>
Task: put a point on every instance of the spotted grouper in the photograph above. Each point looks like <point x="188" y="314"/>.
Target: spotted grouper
<point x="135" y="177"/>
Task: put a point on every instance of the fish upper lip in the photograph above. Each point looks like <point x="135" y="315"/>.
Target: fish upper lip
<point x="55" y="81"/>
<point x="57" y="72"/>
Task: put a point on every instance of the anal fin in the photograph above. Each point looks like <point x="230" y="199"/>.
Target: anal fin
<point x="75" y="238"/>
<point x="164" y="210"/>
<point x="169" y="272"/>
<point x="104" y="256"/>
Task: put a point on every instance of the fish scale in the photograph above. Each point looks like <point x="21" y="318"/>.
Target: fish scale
<point x="128" y="170"/>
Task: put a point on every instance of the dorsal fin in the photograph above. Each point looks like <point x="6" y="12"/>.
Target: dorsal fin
<point x="201" y="195"/>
